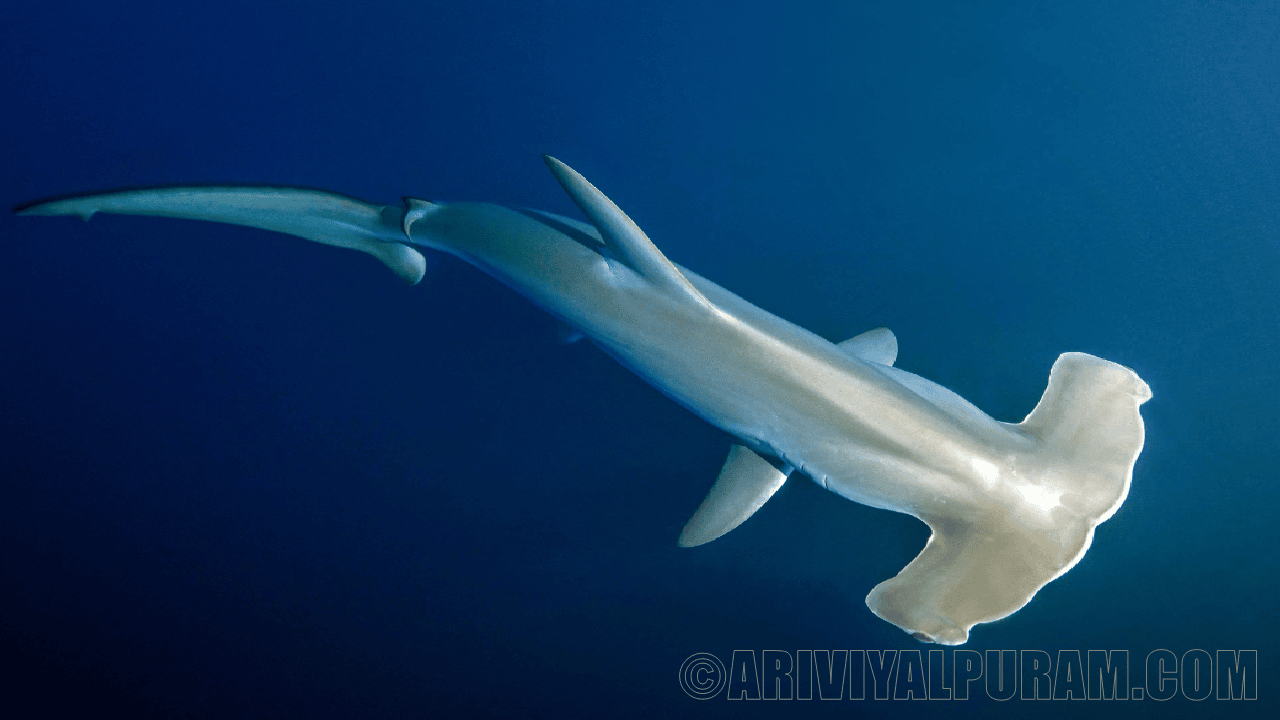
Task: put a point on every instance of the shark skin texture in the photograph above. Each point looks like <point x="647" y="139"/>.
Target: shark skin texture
<point x="1011" y="506"/>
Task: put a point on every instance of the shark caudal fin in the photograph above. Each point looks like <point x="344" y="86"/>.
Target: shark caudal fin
<point x="1088" y="434"/>
<point x="319" y="216"/>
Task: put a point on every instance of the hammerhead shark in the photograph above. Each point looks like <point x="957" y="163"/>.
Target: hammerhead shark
<point x="1011" y="506"/>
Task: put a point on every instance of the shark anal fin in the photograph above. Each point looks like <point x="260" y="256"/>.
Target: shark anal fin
<point x="745" y="483"/>
<point x="621" y="235"/>
<point x="878" y="346"/>
<point x="568" y="334"/>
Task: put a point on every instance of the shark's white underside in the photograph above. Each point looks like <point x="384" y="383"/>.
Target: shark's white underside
<point x="1011" y="506"/>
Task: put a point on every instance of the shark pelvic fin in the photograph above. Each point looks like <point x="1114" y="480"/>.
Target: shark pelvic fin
<point x="746" y="482"/>
<point x="621" y="235"/>
<point x="878" y="346"/>
<point x="316" y="215"/>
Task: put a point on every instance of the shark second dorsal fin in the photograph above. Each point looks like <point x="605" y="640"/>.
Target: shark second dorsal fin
<point x="746" y="482"/>
<point x="621" y="235"/>
<point x="414" y="210"/>
<point x="878" y="346"/>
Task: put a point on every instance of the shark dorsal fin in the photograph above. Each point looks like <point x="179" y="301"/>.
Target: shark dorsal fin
<point x="878" y="346"/>
<point x="621" y="235"/>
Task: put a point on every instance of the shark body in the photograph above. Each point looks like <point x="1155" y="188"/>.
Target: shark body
<point x="1011" y="506"/>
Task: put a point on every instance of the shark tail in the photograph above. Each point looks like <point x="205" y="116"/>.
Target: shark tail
<point x="319" y="216"/>
<point x="1088" y="434"/>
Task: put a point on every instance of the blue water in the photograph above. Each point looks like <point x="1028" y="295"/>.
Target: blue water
<point x="248" y="476"/>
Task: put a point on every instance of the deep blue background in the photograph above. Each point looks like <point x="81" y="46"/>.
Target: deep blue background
<point x="248" y="476"/>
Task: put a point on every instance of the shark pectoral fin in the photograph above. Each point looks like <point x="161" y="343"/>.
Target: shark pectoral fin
<point x="971" y="573"/>
<point x="878" y="346"/>
<point x="316" y="215"/>
<point x="745" y="483"/>
<point x="621" y="235"/>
